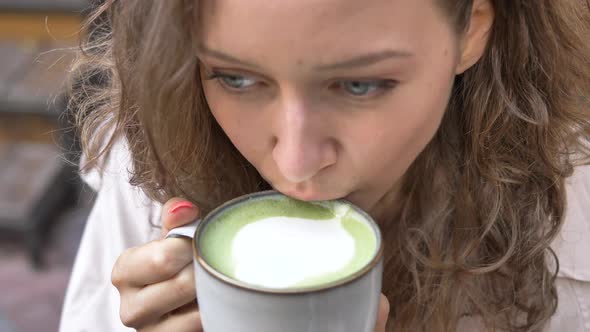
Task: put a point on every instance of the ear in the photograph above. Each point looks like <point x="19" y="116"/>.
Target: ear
<point x="474" y="41"/>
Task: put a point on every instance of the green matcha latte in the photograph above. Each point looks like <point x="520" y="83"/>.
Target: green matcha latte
<point x="280" y="243"/>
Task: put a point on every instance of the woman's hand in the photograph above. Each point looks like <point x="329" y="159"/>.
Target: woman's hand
<point x="383" y="314"/>
<point x="156" y="280"/>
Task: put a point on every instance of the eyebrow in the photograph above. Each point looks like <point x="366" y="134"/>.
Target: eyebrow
<point x="366" y="59"/>
<point x="355" y="62"/>
<point x="204" y="50"/>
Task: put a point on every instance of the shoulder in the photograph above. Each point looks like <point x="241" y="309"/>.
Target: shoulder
<point x="573" y="242"/>
<point x="115" y="163"/>
<point x="578" y="196"/>
<point x="572" y="246"/>
<point x="122" y="217"/>
<point x="578" y="199"/>
<point x="573" y="306"/>
<point x="115" y="194"/>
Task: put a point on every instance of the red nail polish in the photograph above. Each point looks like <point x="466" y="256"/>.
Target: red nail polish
<point x="181" y="205"/>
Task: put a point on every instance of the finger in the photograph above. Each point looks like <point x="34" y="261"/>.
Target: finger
<point x="178" y="212"/>
<point x="383" y="314"/>
<point x="187" y="319"/>
<point x="157" y="300"/>
<point x="169" y="295"/>
<point x="150" y="263"/>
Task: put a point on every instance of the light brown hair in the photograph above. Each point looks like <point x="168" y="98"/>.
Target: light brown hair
<point x="479" y="207"/>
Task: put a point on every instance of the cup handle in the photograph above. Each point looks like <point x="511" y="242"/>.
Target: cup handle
<point x="186" y="231"/>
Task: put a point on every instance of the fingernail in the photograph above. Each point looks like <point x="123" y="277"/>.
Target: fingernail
<point x="181" y="205"/>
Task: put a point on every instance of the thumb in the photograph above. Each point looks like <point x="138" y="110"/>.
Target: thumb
<point x="383" y="314"/>
<point x="178" y="212"/>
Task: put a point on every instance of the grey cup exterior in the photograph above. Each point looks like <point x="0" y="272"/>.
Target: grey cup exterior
<point x="351" y="307"/>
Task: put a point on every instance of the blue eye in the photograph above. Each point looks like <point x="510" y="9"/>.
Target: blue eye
<point x="366" y="88"/>
<point x="358" y="88"/>
<point x="235" y="82"/>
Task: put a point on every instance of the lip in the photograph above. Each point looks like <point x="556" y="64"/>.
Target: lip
<point x="300" y="191"/>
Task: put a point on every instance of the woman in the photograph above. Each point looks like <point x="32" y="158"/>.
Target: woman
<point x="457" y="124"/>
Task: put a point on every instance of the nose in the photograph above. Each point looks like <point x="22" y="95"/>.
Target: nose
<point x="302" y="143"/>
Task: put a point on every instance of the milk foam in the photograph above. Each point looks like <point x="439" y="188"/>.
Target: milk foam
<point x="279" y="252"/>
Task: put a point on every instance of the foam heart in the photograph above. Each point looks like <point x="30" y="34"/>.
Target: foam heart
<point x="279" y="252"/>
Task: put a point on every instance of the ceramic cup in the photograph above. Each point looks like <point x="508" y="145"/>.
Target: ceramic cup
<point x="228" y="305"/>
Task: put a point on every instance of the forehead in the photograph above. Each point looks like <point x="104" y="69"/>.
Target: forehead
<point x="298" y="28"/>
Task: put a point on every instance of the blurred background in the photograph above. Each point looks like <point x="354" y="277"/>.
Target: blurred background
<point x="43" y="204"/>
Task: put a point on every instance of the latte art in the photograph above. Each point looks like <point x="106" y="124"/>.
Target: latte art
<point x="281" y="252"/>
<point x="281" y="243"/>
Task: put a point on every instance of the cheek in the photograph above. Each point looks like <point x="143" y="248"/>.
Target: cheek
<point x="394" y="136"/>
<point x="244" y="128"/>
<point x="402" y="128"/>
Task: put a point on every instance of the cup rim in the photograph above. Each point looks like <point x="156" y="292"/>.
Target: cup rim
<point x="274" y="291"/>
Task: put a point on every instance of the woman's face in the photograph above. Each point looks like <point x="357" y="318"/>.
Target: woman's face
<point x="328" y="98"/>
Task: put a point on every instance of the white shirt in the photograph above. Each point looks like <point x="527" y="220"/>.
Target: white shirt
<point x="123" y="217"/>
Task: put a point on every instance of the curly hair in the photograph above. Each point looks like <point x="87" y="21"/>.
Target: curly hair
<point x="479" y="206"/>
